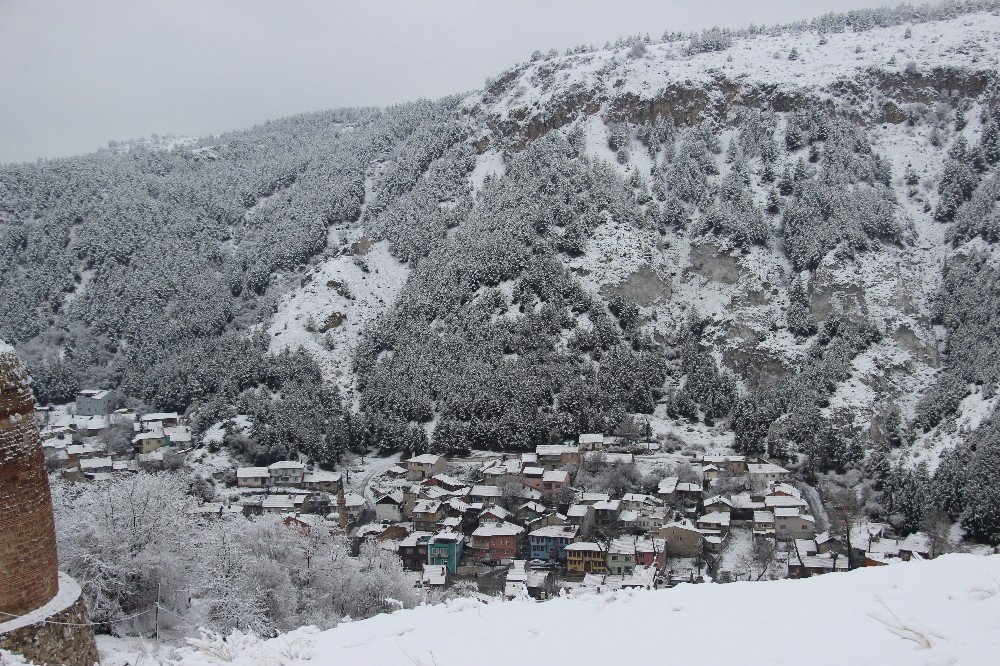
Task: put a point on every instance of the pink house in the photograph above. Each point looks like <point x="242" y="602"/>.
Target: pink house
<point x="651" y="553"/>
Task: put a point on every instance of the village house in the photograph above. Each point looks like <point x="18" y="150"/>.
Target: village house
<point x="681" y="539"/>
<point x="549" y="543"/>
<point x="606" y="512"/>
<point x="714" y="540"/>
<point x="689" y="492"/>
<point x="147" y="442"/>
<point x="650" y="553"/>
<point x="717" y="521"/>
<point x="412" y="550"/>
<point x="459" y="510"/>
<point x="763" y="523"/>
<point x="497" y="470"/>
<point x="744" y="505"/>
<point x="426" y="514"/>
<point x="434" y="575"/>
<point x="826" y="543"/>
<point x="639" y="502"/>
<point x="791" y="523"/>
<point x="496" y="514"/>
<point x="584" y="557"/>
<point x="718" y="503"/>
<point x="84" y="425"/>
<point x="445" y="482"/>
<point x="282" y="503"/>
<point x="253" y="477"/>
<point x="96" y="402"/>
<point x="710" y="473"/>
<point x="667" y="488"/>
<point x="389" y="507"/>
<point x="445" y="549"/>
<point x="730" y="464"/>
<point x="784" y="495"/>
<point x="915" y="546"/>
<point x="529" y="511"/>
<point x="492" y="542"/>
<point x="554" y="480"/>
<point x="287" y="473"/>
<point x="540" y="584"/>
<point x="554" y="456"/>
<point x="581" y="515"/>
<point x="651" y="520"/>
<point x="805" y="566"/>
<point x="532" y="477"/>
<point x="95" y="466"/>
<point x="389" y="532"/>
<point x="329" y="482"/>
<point x="450" y="523"/>
<point x="551" y="518"/>
<point x="485" y="494"/>
<point x="593" y="441"/>
<point x="414" y="493"/>
<point x="629" y="521"/>
<point x="765" y="474"/>
<point x="396" y="472"/>
<point x="516" y="581"/>
<point x="424" y="466"/>
<point x="178" y="436"/>
<point x="621" y="557"/>
<point x="592" y="498"/>
<point x="160" y="420"/>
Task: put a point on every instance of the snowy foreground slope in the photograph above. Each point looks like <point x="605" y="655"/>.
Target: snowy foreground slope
<point x="945" y="611"/>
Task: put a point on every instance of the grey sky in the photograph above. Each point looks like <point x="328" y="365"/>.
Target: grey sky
<point x="77" y="73"/>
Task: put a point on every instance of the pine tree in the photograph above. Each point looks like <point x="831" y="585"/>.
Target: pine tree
<point x="981" y="516"/>
<point x="958" y="181"/>
<point x="950" y="479"/>
<point x="800" y="319"/>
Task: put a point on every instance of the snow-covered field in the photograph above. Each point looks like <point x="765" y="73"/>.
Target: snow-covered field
<point x="944" y="611"/>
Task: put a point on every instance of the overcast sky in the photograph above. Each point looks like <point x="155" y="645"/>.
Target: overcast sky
<point x="75" y="74"/>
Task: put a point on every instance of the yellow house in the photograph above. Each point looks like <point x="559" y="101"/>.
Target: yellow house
<point x="146" y="442"/>
<point x="585" y="557"/>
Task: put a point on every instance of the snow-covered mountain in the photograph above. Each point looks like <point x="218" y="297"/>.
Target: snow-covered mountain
<point x="939" y="611"/>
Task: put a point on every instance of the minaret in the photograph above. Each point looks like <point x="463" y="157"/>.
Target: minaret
<point x="42" y="615"/>
<point x="29" y="570"/>
<point x="342" y="511"/>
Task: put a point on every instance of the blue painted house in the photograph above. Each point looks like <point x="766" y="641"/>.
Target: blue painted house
<point x="446" y="548"/>
<point x="549" y="542"/>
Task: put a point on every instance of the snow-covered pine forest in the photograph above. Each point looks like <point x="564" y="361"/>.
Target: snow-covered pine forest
<point x="785" y="234"/>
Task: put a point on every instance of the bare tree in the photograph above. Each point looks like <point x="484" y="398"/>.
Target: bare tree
<point x="937" y="526"/>
<point x="844" y="510"/>
<point x="118" y="438"/>
<point x="763" y="556"/>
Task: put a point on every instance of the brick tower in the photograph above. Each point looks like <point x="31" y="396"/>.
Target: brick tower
<point x="42" y="615"/>
<point x="29" y="570"/>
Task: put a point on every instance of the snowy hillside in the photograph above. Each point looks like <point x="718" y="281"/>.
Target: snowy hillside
<point x="781" y="238"/>
<point x="832" y="65"/>
<point x="943" y="611"/>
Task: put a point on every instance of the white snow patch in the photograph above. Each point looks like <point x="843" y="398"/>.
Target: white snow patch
<point x="939" y="611"/>
<point x="367" y="294"/>
<point x="489" y="163"/>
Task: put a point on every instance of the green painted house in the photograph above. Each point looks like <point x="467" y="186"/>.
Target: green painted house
<point x="446" y="548"/>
